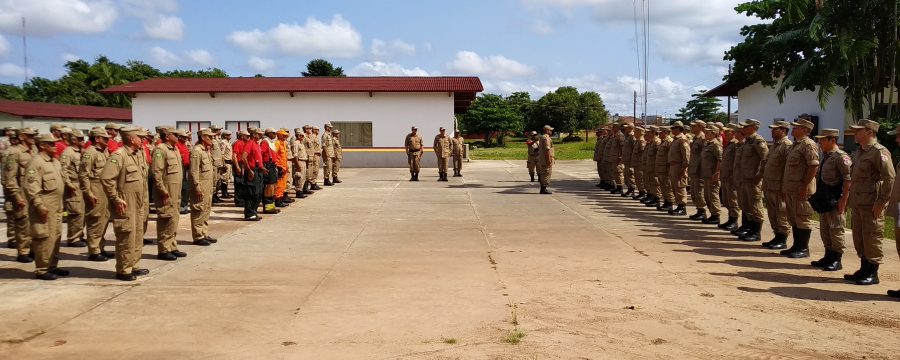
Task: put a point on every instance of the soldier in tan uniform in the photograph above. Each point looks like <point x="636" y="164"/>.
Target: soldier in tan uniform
<point x="729" y="190"/>
<point x="533" y="148"/>
<point x="893" y="208"/>
<point x="218" y="159"/>
<point x="69" y="161"/>
<point x="833" y="183"/>
<point x="752" y="163"/>
<point x="737" y="178"/>
<point x="413" y="145"/>
<point x="9" y="206"/>
<point x="301" y="159"/>
<point x="228" y="156"/>
<point x="710" y="172"/>
<point x="872" y="171"/>
<point x="457" y="150"/>
<point x="546" y="158"/>
<point x="312" y="161"/>
<point x="627" y="150"/>
<point x="317" y="158"/>
<point x="328" y="154"/>
<point x="679" y="160"/>
<point x="614" y="165"/>
<point x="600" y="134"/>
<point x="441" y="149"/>
<point x="609" y="173"/>
<point x="44" y="190"/>
<point x="17" y="160"/>
<point x="650" y="178"/>
<point x="638" y="145"/>
<point x="93" y="160"/>
<point x="203" y="179"/>
<point x="774" y="197"/>
<point x="697" y="146"/>
<point x="338" y="155"/>
<point x="662" y="169"/>
<point x="124" y="179"/>
<point x="798" y="184"/>
<point x="167" y="176"/>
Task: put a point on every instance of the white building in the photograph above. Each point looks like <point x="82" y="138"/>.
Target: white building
<point x="761" y="103"/>
<point x="39" y="115"/>
<point x="374" y="114"/>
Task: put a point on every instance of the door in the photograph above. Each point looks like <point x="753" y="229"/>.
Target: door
<point x="354" y="133"/>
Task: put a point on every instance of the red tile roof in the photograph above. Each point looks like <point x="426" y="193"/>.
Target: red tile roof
<point x="30" y="109"/>
<point x="302" y="84"/>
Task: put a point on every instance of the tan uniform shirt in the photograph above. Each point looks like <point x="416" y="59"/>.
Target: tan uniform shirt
<point x="546" y="149"/>
<point x="69" y="161"/>
<point x="753" y="157"/>
<point x="442" y="146"/>
<point x="627" y="149"/>
<point x="310" y="146"/>
<point x="298" y="147"/>
<point x="662" y="156"/>
<point x="338" y="148"/>
<point x="737" y="175"/>
<point x="698" y="145"/>
<point x="92" y="162"/>
<point x="727" y="167"/>
<point x="457" y="144"/>
<point x="218" y="159"/>
<point x="710" y="158"/>
<point x="327" y="145"/>
<point x="638" y="147"/>
<point x="871" y="172"/>
<point x="598" y="148"/>
<point x="803" y="155"/>
<point x="680" y="151"/>
<point x="774" y="171"/>
<point x="413" y="143"/>
<point x="202" y="168"/>
<point x="650" y="156"/>
<point x="318" y="146"/>
<point x="125" y="172"/>
<point x="17" y="160"/>
<point x="44" y="188"/>
<point x="167" y="169"/>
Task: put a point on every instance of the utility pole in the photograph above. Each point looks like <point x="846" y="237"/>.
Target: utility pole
<point x="635" y="105"/>
<point x="728" y="120"/>
<point x="25" y="49"/>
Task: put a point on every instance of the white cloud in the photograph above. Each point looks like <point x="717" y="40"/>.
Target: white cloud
<point x="67" y="57"/>
<point x="262" y="65"/>
<point x="56" y="17"/>
<point x="387" y="50"/>
<point x="542" y="27"/>
<point x="378" y="68"/>
<point x="164" y="27"/>
<point x="198" y="57"/>
<point x="9" y="70"/>
<point x="495" y="66"/>
<point x="4" y="47"/>
<point x="314" y="38"/>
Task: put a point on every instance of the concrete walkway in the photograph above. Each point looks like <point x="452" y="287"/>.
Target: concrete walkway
<point x="379" y="267"/>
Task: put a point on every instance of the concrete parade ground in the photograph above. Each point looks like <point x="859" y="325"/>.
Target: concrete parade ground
<point x="480" y="267"/>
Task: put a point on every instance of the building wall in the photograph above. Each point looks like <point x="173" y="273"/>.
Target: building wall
<point x="761" y="103"/>
<point x="391" y="114"/>
<point x="43" y="125"/>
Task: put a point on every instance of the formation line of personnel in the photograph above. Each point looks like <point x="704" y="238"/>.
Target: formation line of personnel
<point x="734" y="174"/>
<point x="121" y="174"/>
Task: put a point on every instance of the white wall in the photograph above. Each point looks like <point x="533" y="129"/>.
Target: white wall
<point x="43" y="125"/>
<point x="391" y="114"/>
<point x="761" y="103"/>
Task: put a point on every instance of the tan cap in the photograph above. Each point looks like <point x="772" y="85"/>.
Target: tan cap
<point x="113" y="126"/>
<point x="205" y="131"/>
<point x="215" y="127"/>
<point x="46" y="138"/>
<point x="252" y="130"/>
<point x="735" y="126"/>
<point x="804" y="123"/>
<point x="99" y="132"/>
<point x="711" y="128"/>
<point x="780" y="124"/>
<point x="639" y="129"/>
<point x="243" y="133"/>
<point x="315" y="127"/>
<point x="677" y="124"/>
<point x="65" y="130"/>
<point x="627" y="125"/>
<point x="298" y="130"/>
<point x="533" y="133"/>
<point x="226" y="132"/>
<point x="837" y="133"/>
<point x="336" y="132"/>
<point x="653" y="128"/>
<point x="750" y="122"/>
<point x="866" y="124"/>
<point x="664" y="128"/>
<point x="548" y="127"/>
<point x="139" y="131"/>
<point x="698" y="122"/>
<point x="28" y="131"/>
<point x="76" y="133"/>
<point x="269" y="130"/>
<point x="327" y="125"/>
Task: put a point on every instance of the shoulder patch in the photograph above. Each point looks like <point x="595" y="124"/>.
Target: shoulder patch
<point x="31" y="171"/>
<point x="879" y="147"/>
<point x="113" y="161"/>
<point x="846" y="159"/>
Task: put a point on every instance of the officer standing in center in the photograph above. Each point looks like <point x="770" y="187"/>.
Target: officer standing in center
<point x="413" y="145"/>
<point x="627" y="150"/>
<point x="834" y="177"/>
<point x="679" y="160"/>
<point x="710" y="172"/>
<point x="203" y="181"/>
<point x="546" y="158"/>
<point x="96" y="204"/>
<point x="752" y="163"/>
<point x="773" y="177"/>
<point x="698" y="145"/>
<point x="798" y="184"/>
<point x="442" y="151"/>
<point x="328" y="155"/>
<point x="44" y="190"/>
<point x="726" y="178"/>
<point x="167" y="176"/>
<point x="650" y="179"/>
<point x="458" y="148"/>
<point x="638" y="146"/>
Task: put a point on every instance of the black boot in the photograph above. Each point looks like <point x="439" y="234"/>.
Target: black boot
<point x="795" y="235"/>
<point x="733" y="226"/>
<point x="412" y="176"/>
<point x="640" y="195"/>
<point x="299" y="194"/>
<point x="648" y="198"/>
<point x="823" y="261"/>
<point x="870" y="277"/>
<point x="652" y="202"/>
<point x="863" y="267"/>
<point x="328" y="182"/>
<point x="628" y="193"/>
<point x="532" y="177"/>
<point x="417" y="176"/>
<point x="665" y="206"/>
<point x="801" y="250"/>
<point x="306" y="189"/>
<point x="834" y="264"/>
<point x="700" y="215"/>
<point x="335" y="180"/>
<point x="778" y="242"/>
<point x="741" y="229"/>
<point x="544" y="190"/>
<point x="617" y="190"/>
<point x="678" y="211"/>
<point x="894" y="293"/>
<point x="728" y="223"/>
<point x="712" y="219"/>
<point x="754" y="233"/>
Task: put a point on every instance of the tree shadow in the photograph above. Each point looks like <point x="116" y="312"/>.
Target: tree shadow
<point x="807" y="293"/>
<point x="74" y="272"/>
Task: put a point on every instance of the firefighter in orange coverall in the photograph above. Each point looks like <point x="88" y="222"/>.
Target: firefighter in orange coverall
<point x="282" y="166"/>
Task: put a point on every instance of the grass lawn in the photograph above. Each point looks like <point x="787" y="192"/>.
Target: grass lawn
<point x="515" y="149"/>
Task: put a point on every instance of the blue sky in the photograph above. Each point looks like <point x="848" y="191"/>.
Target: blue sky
<point x="513" y="45"/>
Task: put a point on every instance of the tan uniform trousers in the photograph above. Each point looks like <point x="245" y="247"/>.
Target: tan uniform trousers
<point x="414" y="158"/>
<point x="442" y="164"/>
<point x="300" y="175"/>
<point x="617" y="173"/>
<point x="544" y="174"/>
<point x="532" y="165"/>
<point x="698" y="193"/>
<point x="200" y="209"/>
<point x="799" y="211"/>
<point x="22" y="227"/>
<point x="457" y="163"/>
<point x="74" y="205"/>
<point x="129" y="232"/>
<point x="868" y="233"/>
<point x="167" y="218"/>
<point x="312" y="170"/>
<point x="638" y="179"/>
<point x="678" y="182"/>
<point x="97" y="218"/>
<point x="628" y="175"/>
<point x="752" y="196"/>
<point x="711" y="195"/>
<point x="336" y="167"/>
<point x="8" y="209"/>
<point x="289" y="184"/>
<point x="777" y="211"/>
<point x="651" y="184"/>
<point x="730" y="199"/>
<point x="831" y="230"/>
<point x="665" y="187"/>
<point x="328" y="167"/>
<point x="45" y="241"/>
<point x="599" y="168"/>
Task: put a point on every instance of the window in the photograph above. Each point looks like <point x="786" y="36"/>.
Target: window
<point x="354" y="134"/>
<point x="192" y="126"/>
<point x="235" y="126"/>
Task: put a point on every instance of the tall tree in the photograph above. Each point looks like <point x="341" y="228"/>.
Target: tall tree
<point x="322" y="67"/>
<point x="592" y="111"/>
<point x="700" y="108"/>
<point x="492" y="114"/>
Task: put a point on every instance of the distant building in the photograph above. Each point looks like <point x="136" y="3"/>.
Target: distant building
<point x="40" y="115"/>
